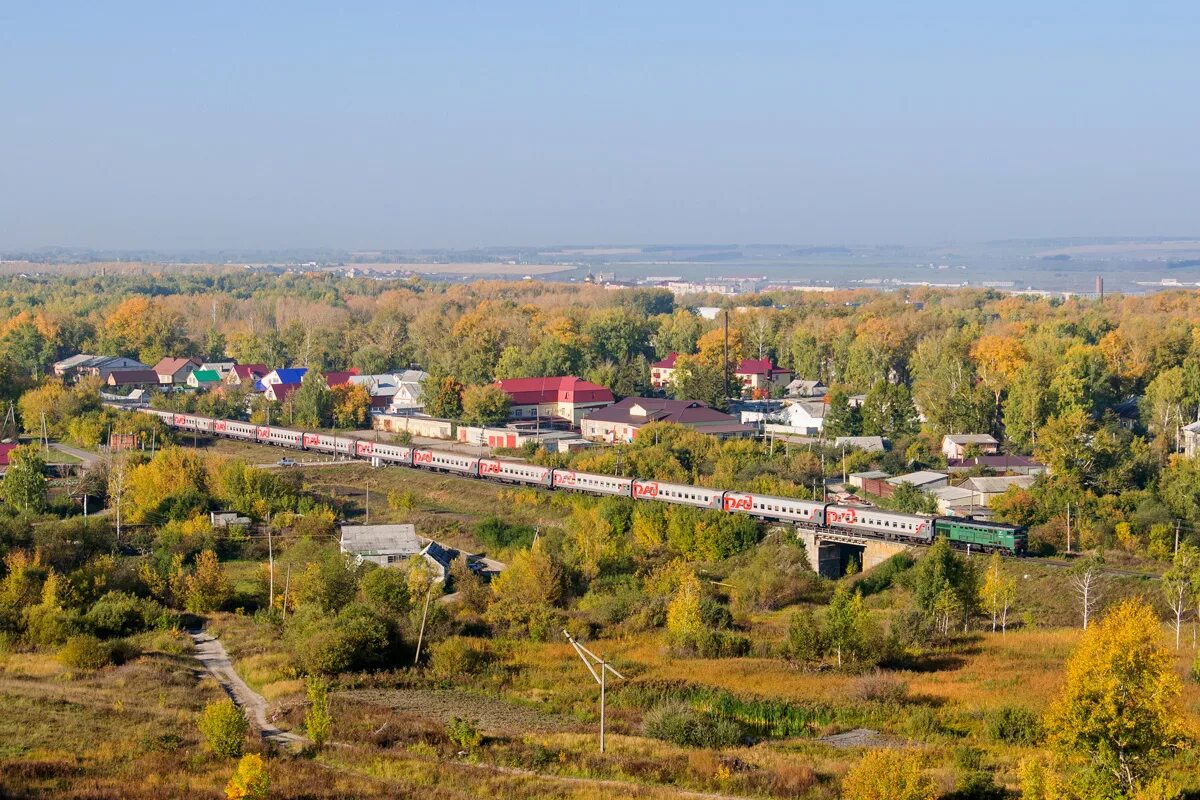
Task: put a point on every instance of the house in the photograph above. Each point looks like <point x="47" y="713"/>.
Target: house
<point x="280" y="391"/>
<point x="292" y="375"/>
<point x="1190" y="439"/>
<point x="246" y="374"/>
<point x="204" y="379"/>
<point x="984" y="489"/>
<point x="953" y="499"/>
<point x="394" y="393"/>
<point x="223" y="368"/>
<point x="566" y="399"/>
<point x="859" y="478"/>
<point x="799" y="417"/>
<point x="956" y="445"/>
<point x="662" y="372"/>
<point x="803" y="388"/>
<point x="333" y="379"/>
<point x="132" y="378"/>
<point x="84" y="365"/>
<point x="175" y="371"/>
<point x="388" y="545"/>
<point x="922" y="479"/>
<point x="1017" y="464"/>
<point x="620" y="422"/>
<point x="227" y="519"/>
<point x="760" y="376"/>
<point x="869" y="444"/>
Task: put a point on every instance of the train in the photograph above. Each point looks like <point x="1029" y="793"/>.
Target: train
<point x="860" y="520"/>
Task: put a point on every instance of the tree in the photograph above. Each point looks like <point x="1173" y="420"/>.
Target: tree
<point x="250" y="781"/>
<point x="1085" y="580"/>
<point x="442" y="397"/>
<point x="695" y="379"/>
<point x="997" y="593"/>
<point x="1026" y="408"/>
<point x="485" y="405"/>
<point x="911" y="500"/>
<point x="24" y="484"/>
<point x="805" y="640"/>
<point x="317" y="720"/>
<point x="1119" y="709"/>
<point x="523" y="596"/>
<point x="1177" y="584"/>
<point x="685" y="618"/>
<point x="888" y="411"/>
<point x="840" y="418"/>
<point x="312" y="403"/>
<point x="844" y="622"/>
<point x="889" y="774"/>
<point x="939" y="571"/>
<point x="224" y="728"/>
<point x="207" y="587"/>
<point x="351" y="405"/>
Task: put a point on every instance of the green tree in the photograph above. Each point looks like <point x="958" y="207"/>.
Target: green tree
<point x="888" y="411"/>
<point x="1120" y="708"/>
<point x="805" y="640"/>
<point x="997" y="593"/>
<point x="1026" y="407"/>
<point x="844" y="621"/>
<point x="524" y="595"/>
<point x="442" y="397"/>
<point x="939" y="570"/>
<point x="695" y="379"/>
<point x="840" y="418"/>
<point x="312" y="403"/>
<point x="485" y="405"/>
<point x="24" y="484"/>
<point x="250" y="780"/>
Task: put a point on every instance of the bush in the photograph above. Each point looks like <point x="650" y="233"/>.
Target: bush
<point x="121" y="614"/>
<point x="224" y="728"/>
<point x="681" y="724"/>
<point x="463" y="733"/>
<point x="457" y="656"/>
<point x="879" y="687"/>
<point x="386" y="589"/>
<point x="318" y="721"/>
<point x="250" y="781"/>
<point x="85" y="652"/>
<point x="1014" y="725"/>
<point x="357" y="638"/>
<point x="888" y="775"/>
<point x="496" y="533"/>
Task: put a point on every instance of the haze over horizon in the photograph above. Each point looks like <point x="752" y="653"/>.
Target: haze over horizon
<point x="274" y="126"/>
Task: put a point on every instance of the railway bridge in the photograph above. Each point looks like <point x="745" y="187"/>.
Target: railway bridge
<point x="831" y="552"/>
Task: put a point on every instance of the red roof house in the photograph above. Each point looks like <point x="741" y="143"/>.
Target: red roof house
<point x="663" y="372"/>
<point x="566" y="398"/>
<point x="759" y="374"/>
<point x="333" y="379"/>
<point x="246" y="374"/>
<point x="620" y="422"/>
<point x="5" y="449"/>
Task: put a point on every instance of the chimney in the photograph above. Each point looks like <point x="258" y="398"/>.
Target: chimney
<point x="1100" y="286"/>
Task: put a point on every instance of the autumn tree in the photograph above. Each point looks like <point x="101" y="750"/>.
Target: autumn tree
<point x="997" y="593"/>
<point x="841" y="419"/>
<point x="250" y="780"/>
<point x="1178" y="582"/>
<point x="1119" y="710"/>
<point x="207" y="587"/>
<point x="888" y="411"/>
<point x="351" y="405"/>
<point x="711" y="348"/>
<point x="312" y="403"/>
<point x="524" y="595"/>
<point x="695" y="379"/>
<point x="485" y="405"/>
<point x="686" y="629"/>
<point x="1084" y="577"/>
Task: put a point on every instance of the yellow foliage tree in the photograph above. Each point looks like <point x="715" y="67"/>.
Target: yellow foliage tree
<point x="685" y="620"/>
<point x="523" y="596"/>
<point x="888" y="775"/>
<point x="250" y="780"/>
<point x="1120" y="708"/>
<point x="711" y="347"/>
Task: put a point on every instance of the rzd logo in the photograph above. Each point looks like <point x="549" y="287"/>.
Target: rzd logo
<point x="423" y="458"/>
<point x="262" y="433"/>
<point x="219" y="426"/>
<point x="310" y="438"/>
<point x="366" y="448"/>
<point x="491" y="468"/>
<point x="645" y="490"/>
<point x="850" y="516"/>
<point x="739" y="502"/>
<point x="564" y="478"/>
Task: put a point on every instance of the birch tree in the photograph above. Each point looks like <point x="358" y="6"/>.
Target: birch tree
<point x="1085" y="580"/>
<point x="997" y="593"/>
<point x="1177" y="586"/>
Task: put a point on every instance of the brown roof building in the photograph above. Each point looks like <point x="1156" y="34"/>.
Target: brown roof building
<point x="620" y="422"/>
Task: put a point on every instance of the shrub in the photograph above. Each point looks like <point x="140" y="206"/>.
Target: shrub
<point x="496" y="533"/>
<point x="85" y="652"/>
<point x="121" y="614"/>
<point x="457" y="656"/>
<point x="681" y="724"/>
<point x="1195" y="671"/>
<point x="888" y="775"/>
<point x="463" y="733"/>
<point x="385" y="589"/>
<point x="250" y="780"/>
<point x="224" y="728"/>
<point x="879" y="687"/>
<point x="357" y="638"/>
<point x="1014" y="725"/>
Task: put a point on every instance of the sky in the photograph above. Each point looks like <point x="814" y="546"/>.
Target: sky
<point x="223" y="125"/>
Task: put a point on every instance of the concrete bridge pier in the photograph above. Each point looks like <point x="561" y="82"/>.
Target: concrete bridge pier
<point x="830" y="553"/>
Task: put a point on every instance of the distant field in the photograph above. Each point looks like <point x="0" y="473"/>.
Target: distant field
<point x="468" y="268"/>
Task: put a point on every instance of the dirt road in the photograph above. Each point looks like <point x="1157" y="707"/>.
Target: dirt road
<point x="212" y="656"/>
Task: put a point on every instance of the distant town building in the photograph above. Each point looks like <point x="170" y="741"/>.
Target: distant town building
<point x="760" y="375"/>
<point x="175" y="371"/>
<point x="284" y="376"/>
<point x="246" y="374"/>
<point x="561" y="399"/>
<point x="1017" y="464"/>
<point x="1190" y="439"/>
<point x="956" y="445"/>
<point x="222" y="368"/>
<point x="620" y="422"/>
<point x="204" y="379"/>
<point x="986" y="489"/>
<point x="333" y="379"/>
<point x="801" y="388"/>
<point x="132" y="378"/>
<point x="922" y="479"/>
<point x="870" y="444"/>
<point x="662" y="372"/>
<point x="859" y="478"/>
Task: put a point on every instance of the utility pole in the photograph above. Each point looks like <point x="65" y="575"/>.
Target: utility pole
<point x="1068" y="527"/>
<point x="287" y="582"/>
<point x="1176" y="538"/>
<point x="725" y="361"/>
<point x="599" y="669"/>
<point x="424" y="616"/>
<point x="270" y="565"/>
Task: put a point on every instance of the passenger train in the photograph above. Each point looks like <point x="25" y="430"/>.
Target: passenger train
<point x="868" y="521"/>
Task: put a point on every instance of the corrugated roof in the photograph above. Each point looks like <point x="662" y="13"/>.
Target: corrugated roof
<point x="666" y="363"/>
<point x="564" y="389"/>
<point x="206" y="376"/>
<point x="657" y="409"/>
<point x="380" y="539"/>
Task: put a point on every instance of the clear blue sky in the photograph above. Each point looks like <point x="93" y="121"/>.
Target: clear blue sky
<point x="359" y="125"/>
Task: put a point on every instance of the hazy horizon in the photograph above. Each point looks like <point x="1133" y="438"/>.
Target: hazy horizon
<point x="276" y="127"/>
